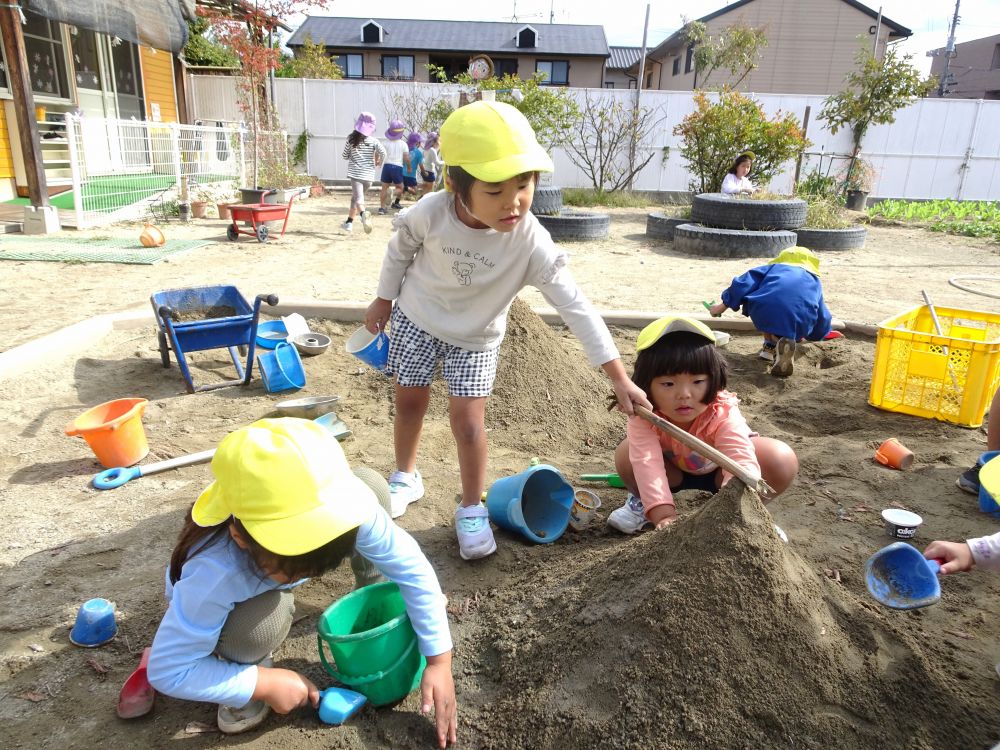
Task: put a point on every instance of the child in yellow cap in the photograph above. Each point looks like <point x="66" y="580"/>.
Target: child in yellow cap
<point x="453" y="268"/>
<point x="784" y="299"/>
<point x="682" y="372"/>
<point x="284" y="506"/>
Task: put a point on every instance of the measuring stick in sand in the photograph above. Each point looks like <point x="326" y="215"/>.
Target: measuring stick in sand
<point x="707" y="451"/>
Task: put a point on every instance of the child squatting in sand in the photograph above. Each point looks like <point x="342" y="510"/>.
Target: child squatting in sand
<point x="683" y="374"/>
<point x="458" y="259"/>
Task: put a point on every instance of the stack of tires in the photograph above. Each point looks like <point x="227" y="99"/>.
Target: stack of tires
<point x="723" y="226"/>
<point x="567" y="224"/>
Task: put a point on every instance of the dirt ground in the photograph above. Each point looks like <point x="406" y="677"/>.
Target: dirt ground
<point x="711" y="634"/>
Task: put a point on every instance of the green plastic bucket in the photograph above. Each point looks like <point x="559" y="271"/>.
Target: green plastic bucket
<point x="372" y="644"/>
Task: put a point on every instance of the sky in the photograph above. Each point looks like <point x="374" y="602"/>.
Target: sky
<point x="623" y="19"/>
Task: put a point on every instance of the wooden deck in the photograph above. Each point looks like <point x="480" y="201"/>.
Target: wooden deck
<point x="12" y="218"/>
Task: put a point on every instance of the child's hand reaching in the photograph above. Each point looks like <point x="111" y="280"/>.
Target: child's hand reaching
<point x="957" y="556"/>
<point x="437" y="689"/>
<point x="717" y="309"/>
<point x="377" y="314"/>
<point x="662" y="516"/>
<point x="284" y="690"/>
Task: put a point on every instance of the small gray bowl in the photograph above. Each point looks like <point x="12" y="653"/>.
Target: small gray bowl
<point x="311" y="344"/>
<point x="309" y="407"/>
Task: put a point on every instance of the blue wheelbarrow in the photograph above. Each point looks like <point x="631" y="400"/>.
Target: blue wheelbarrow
<point x="208" y="317"/>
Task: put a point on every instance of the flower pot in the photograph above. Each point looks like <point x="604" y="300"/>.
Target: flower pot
<point x="199" y="209"/>
<point x="317" y="191"/>
<point x="856" y="200"/>
<point x="224" y="212"/>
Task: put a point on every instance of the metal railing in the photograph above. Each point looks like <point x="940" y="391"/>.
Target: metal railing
<point x="129" y="170"/>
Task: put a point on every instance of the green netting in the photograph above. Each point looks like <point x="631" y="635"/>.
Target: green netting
<point x="86" y="250"/>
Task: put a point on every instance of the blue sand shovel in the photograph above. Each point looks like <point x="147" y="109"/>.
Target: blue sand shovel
<point x="337" y="705"/>
<point x="899" y="577"/>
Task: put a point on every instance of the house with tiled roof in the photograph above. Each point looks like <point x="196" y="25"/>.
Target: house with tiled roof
<point x="811" y="45"/>
<point x="616" y="71"/>
<point x="401" y="49"/>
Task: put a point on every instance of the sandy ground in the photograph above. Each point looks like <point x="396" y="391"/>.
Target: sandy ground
<point x="713" y="634"/>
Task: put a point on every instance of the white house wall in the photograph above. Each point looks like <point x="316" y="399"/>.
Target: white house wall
<point x="920" y="156"/>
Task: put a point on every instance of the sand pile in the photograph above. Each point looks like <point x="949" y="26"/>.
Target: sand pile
<point x="711" y="634"/>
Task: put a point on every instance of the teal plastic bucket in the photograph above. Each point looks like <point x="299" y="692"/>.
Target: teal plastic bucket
<point x="281" y="369"/>
<point x="372" y="644"/>
<point x="535" y="503"/>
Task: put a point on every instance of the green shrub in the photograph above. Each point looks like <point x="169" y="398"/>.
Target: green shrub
<point x="588" y="197"/>
<point x="817" y="184"/>
<point x="721" y="129"/>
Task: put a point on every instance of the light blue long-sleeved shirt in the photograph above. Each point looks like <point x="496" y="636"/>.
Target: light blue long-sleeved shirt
<point x="221" y="575"/>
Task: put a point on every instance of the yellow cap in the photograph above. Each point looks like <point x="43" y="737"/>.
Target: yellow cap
<point x="798" y="256"/>
<point x="288" y="482"/>
<point x="492" y="141"/>
<point x="671" y="324"/>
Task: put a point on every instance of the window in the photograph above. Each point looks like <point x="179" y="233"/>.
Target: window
<point x="371" y="32"/>
<point x="46" y="56"/>
<point x="996" y="58"/>
<point x="85" y="58"/>
<point x="351" y="65"/>
<point x="689" y="59"/>
<point x="609" y="84"/>
<point x="397" y="66"/>
<point x="526" y="37"/>
<point x="503" y="66"/>
<point x="631" y="83"/>
<point x="556" y="72"/>
<point x="677" y="66"/>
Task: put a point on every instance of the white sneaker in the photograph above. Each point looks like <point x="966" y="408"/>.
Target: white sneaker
<point x="475" y="537"/>
<point x="767" y="353"/>
<point x="347" y="226"/>
<point x="239" y="720"/>
<point x="630" y="518"/>
<point x="366" y="222"/>
<point x="404" y="489"/>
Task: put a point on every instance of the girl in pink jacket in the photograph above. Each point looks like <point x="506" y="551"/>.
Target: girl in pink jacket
<point x="684" y="376"/>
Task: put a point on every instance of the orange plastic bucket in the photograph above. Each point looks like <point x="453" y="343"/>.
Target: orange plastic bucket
<point x="113" y="430"/>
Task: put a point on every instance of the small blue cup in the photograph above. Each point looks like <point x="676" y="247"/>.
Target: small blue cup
<point x="95" y="624"/>
<point x="370" y="348"/>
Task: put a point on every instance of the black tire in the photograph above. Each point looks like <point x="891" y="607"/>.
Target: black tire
<point x="547" y="201"/>
<point x="161" y="339"/>
<point x="727" y="212"/>
<point x="730" y="243"/>
<point x="232" y="233"/>
<point x="262" y="232"/>
<point x="821" y="240"/>
<point x="660" y="226"/>
<point x="577" y="225"/>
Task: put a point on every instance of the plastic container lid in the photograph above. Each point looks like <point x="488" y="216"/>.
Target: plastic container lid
<point x="901" y="517"/>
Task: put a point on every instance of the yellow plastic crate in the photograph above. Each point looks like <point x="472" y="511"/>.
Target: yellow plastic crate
<point x="951" y="377"/>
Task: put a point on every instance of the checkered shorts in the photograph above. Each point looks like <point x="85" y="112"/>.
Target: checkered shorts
<point x="414" y="355"/>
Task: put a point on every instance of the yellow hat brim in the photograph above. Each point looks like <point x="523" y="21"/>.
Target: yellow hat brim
<point x="798" y="256"/>
<point x="345" y="504"/>
<point x="536" y="160"/>
<point x="671" y="324"/>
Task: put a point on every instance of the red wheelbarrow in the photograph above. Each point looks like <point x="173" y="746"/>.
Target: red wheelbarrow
<point x="257" y="214"/>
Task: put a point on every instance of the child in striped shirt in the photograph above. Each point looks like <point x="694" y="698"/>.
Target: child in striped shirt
<point x="363" y="154"/>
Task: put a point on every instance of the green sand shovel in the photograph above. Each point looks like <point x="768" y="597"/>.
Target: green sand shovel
<point x="612" y="480"/>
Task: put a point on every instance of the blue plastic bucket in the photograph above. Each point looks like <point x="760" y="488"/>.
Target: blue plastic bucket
<point x="535" y="503"/>
<point x="987" y="500"/>
<point x="370" y="348"/>
<point x="270" y="333"/>
<point x="281" y="369"/>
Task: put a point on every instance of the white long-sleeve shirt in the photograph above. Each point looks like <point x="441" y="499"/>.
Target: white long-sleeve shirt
<point x="457" y="283"/>
<point x="733" y="185"/>
<point x="986" y="551"/>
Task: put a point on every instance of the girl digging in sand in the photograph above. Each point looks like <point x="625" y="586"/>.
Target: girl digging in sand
<point x="284" y="506"/>
<point x="684" y="375"/>
<point x="454" y="267"/>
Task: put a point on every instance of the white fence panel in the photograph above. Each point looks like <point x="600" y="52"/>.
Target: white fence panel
<point x="935" y="149"/>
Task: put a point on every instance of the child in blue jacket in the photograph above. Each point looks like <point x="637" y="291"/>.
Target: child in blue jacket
<point x="784" y="299"/>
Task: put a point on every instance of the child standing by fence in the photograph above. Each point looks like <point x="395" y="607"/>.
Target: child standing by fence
<point x="392" y="168"/>
<point x="363" y="154"/>
<point x="454" y="266"/>
<point x="284" y="506"/>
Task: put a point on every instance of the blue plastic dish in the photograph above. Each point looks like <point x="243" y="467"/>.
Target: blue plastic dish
<point x="270" y="333"/>
<point x="95" y="624"/>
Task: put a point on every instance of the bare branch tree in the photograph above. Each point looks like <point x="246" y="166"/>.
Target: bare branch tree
<point x="421" y="108"/>
<point x="611" y="142"/>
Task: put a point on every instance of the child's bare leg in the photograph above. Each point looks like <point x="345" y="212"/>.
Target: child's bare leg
<point x="778" y="463"/>
<point x="411" y="406"/>
<point x="383" y="192"/>
<point x="624" y="467"/>
<point x="468" y="425"/>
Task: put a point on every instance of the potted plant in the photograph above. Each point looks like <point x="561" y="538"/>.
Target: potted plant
<point x="317" y="189"/>
<point x="858" y="176"/>
<point x="199" y="203"/>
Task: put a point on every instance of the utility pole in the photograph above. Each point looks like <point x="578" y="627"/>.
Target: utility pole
<point x="878" y="30"/>
<point x="552" y="12"/>
<point x="949" y="54"/>
<point x="638" y="92"/>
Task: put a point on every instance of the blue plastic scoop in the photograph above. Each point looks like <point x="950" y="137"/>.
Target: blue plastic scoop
<point x="899" y="577"/>
<point x="338" y="704"/>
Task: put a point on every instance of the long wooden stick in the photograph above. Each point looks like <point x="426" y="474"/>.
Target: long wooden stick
<point x="937" y="327"/>
<point x="706" y="450"/>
